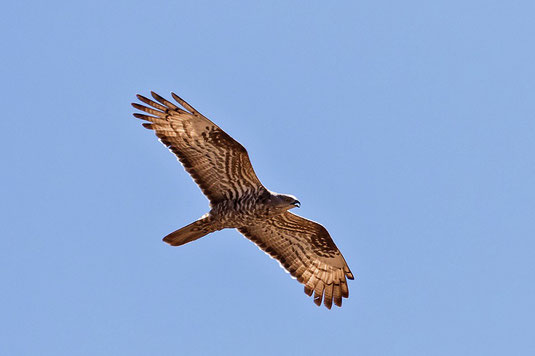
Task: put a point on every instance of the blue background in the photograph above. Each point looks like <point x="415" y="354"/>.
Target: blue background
<point x="406" y="128"/>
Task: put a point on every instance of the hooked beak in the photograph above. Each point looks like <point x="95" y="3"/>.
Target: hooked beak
<point x="297" y="203"/>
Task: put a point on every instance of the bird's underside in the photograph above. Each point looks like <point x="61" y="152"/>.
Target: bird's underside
<point x="222" y="169"/>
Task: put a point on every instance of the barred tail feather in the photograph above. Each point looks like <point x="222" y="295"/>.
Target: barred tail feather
<point x="189" y="233"/>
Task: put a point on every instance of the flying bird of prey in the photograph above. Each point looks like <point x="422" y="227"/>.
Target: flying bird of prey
<point x="221" y="167"/>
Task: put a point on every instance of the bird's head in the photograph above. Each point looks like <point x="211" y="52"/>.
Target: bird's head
<point x="285" y="202"/>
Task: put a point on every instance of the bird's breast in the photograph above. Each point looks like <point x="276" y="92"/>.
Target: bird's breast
<point x="243" y="211"/>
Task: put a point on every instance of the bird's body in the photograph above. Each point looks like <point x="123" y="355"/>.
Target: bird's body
<point x="248" y="209"/>
<point x="221" y="167"/>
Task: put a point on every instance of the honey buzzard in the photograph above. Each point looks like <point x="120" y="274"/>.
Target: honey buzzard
<point x="221" y="168"/>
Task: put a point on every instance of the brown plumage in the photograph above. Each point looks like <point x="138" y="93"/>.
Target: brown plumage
<point x="222" y="169"/>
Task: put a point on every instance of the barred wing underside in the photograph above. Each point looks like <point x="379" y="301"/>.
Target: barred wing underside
<point x="217" y="163"/>
<point x="306" y="250"/>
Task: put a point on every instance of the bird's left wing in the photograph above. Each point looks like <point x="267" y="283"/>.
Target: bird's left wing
<point x="305" y="249"/>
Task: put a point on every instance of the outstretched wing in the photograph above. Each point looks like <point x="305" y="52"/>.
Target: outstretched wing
<point x="306" y="250"/>
<point x="217" y="163"/>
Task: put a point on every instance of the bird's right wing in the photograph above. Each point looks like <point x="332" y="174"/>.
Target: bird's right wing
<point x="219" y="164"/>
<point x="305" y="249"/>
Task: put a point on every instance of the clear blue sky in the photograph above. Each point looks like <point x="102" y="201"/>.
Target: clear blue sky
<point x="406" y="128"/>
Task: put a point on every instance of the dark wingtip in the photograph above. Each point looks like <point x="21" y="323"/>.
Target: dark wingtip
<point x="139" y="106"/>
<point x="317" y="300"/>
<point x="142" y="116"/>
